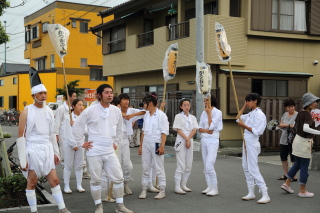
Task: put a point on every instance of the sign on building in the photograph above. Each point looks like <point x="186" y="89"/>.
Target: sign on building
<point x="90" y="95"/>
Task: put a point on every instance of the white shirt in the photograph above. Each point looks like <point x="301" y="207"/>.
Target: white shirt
<point x="61" y="113"/>
<point x="127" y="124"/>
<point x="255" y="119"/>
<point x="185" y="123"/>
<point x="104" y="128"/>
<point x="216" y="123"/>
<point x="154" y="126"/>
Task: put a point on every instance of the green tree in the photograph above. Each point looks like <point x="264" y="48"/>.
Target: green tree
<point x="3" y="36"/>
<point x="71" y="85"/>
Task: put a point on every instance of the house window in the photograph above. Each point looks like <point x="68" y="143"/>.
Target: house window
<point x="96" y="74"/>
<point x="83" y="27"/>
<point x="235" y="8"/>
<point x="156" y="88"/>
<point x="270" y="88"/>
<point x="83" y="62"/>
<point x="99" y="38"/>
<point x="1" y="101"/>
<point x="44" y="27"/>
<point x="15" y="80"/>
<point x="209" y="8"/>
<point x="12" y="102"/>
<point x="2" y="82"/>
<point x="117" y="39"/>
<point x="27" y="34"/>
<point x="73" y="23"/>
<point x="35" y="32"/>
<point x="128" y="89"/>
<point x="289" y="15"/>
<point x="41" y="64"/>
<point x="52" y="61"/>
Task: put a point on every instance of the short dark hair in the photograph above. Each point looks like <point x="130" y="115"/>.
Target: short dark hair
<point x="123" y="96"/>
<point x="289" y="102"/>
<point x="214" y="101"/>
<point x="71" y="91"/>
<point x="181" y="102"/>
<point x="115" y="101"/>
<point x="253" y="97"/>
<point x="150" y="98"/>
<point x="101" y="88"/>
<point x="140" y="104"/>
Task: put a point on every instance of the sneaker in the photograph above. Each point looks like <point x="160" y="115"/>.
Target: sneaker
<point x="306" y="194"/>
<point x="287" y="188"/>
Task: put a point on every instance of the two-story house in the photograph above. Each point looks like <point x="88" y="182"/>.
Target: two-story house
<point x="83" y="61"/>
<point x="275" y="46"/>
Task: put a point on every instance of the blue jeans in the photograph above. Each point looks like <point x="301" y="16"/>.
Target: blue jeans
<point x="301" y="164"/>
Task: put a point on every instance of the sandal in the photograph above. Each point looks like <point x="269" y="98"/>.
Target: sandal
<point x="283" y="177"/>
<point x="294" y="180"/>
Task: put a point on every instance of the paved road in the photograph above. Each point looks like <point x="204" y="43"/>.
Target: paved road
<point x="232" y="187"/>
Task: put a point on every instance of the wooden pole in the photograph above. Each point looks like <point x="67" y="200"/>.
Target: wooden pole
<point x="236" y="99"/>
<point x="65" y="82"/>
<point x="164" y="94"/>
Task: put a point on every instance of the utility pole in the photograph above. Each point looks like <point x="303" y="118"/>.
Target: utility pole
<point x="5" y="49"/>
<point x="199" y="53"/>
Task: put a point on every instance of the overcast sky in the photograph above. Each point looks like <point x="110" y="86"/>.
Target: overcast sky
<point x="14" y="17"/>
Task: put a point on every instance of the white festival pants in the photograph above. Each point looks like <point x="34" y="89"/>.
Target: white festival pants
<point x="110" y="164"/>
<point x="149" y="155"/>
<point x="250" y="162"/>
<point x="210" y="147"/>
<point x="61" y="145"/>
<point x="184" y="159"/>
<point x="125" y="159"/>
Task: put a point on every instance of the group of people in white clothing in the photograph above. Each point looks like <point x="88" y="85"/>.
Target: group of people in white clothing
<point x="109" y="130"/>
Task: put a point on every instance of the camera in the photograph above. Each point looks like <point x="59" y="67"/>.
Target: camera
<point x="315" y="62"/>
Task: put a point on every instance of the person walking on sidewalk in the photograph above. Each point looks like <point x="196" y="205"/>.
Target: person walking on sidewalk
<point x="154" y="134"/>
<point x="186" y="125"/>
<point x="254" y="124"/>
<point x="286" y="124"/>
<point x="104" y="123"/>
<point x="37" y="145"/>
<point x="74" y="153"/>
<point x="302" y="145"/>
<point x="210" y="126"/>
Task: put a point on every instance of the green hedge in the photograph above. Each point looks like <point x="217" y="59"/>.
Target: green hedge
<point x="12" y="191"/>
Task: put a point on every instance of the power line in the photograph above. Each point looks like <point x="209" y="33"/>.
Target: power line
<point x="15" y="33"/>
<point x="21" y="4"/>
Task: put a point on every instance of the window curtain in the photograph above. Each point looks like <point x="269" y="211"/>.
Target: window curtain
<point x="300" y="16"/>
<point x="275" y="14"/>
<point x="286" y="15"/>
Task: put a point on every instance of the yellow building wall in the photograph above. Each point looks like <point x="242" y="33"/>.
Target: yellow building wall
<point x="24" y="93"/>
<point x="9" y="89"/>
<point x="84" y="81"/>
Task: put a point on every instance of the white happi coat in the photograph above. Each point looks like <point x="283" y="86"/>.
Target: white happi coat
<point x="60" y="125"/>
<point x="210" y="144"/>
<point x="41" y="140"/>
<point x="184" y="156"/>
<point x="255" y="119"/>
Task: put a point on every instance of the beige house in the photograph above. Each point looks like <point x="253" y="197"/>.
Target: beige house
<point x="275" y="48"/>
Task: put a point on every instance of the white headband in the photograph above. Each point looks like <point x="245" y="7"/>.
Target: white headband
<point x="38" y="88"/>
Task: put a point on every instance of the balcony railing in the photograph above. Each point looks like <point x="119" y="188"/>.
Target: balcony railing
<point x="145" y="39"/>
<point x="180" y="30"/>
<point x="116" y="45"/>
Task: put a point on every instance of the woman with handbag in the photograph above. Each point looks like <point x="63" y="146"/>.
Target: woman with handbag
<point x="286" y="124"/>
<point x="186" y="125"/>
<point x="302" y="145"/>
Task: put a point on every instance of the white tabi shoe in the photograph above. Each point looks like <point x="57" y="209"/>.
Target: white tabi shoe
<point x="67" y="189"/>
<point x="213" y="191"/>
<point x="127" y="190"/>
<point x="80" y="189"/>
<point x="265" y="197"/>
<point x="161" y="194"/>
<point x="65" y="210"/>
<point x="206" y="190"/>
<point x="143" y="194"/>
<point x="99" y="208"/>
<point x="151" y="188"/>
<point x="184" y="187"/>
<point x="120" y="208"/>
<point x="250" y="195"/>
<point x="178" y="190"/>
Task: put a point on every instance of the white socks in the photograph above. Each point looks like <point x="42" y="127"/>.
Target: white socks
<point x="32" y="199"/>
<point x="57" y="195"/>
